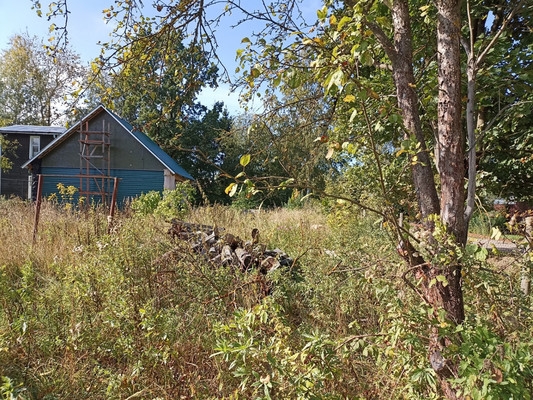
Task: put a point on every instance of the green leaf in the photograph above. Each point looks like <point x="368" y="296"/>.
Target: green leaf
<point x="245" y="160"/>
<point x="334" y="79"/>
<point x="294" y="80"/>
<point x="442" y="279"/>
<point x="322" y="13"/>
<point x="344" y="20"/>
<point x="366" y="58"/>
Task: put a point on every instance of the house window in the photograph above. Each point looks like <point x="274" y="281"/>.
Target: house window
<point x="35" y="145"/>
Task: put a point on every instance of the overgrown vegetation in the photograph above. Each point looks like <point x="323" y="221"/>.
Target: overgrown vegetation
<point x="89" y="314"/>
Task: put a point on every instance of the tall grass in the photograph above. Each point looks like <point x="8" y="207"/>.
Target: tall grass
<point x="87" y="314"/>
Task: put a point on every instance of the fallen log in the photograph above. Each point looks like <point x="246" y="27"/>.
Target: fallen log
<point x="229" y="250"/>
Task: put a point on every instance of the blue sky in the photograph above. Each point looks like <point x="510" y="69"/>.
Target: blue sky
<point x="86" y="27"/>
<point x="86" y="24"/>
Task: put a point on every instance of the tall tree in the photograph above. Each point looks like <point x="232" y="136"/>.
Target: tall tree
<point x="155" y="85"/>
<point x="36" y="87"/>
<point x="354" y="35"/>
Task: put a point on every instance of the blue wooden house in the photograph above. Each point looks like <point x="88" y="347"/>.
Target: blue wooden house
<point x="101" y="151"/>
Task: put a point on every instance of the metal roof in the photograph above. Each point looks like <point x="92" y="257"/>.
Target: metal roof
<point x="144" y="140"/>
<point x="33" y="129"/>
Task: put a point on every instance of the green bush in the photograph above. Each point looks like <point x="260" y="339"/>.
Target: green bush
<point x="169" y="204"/>
<point x="269" y="361"/>
<point x="482" y="222"/>
<point x="10" y="391"/>
<point x="493" y="368"/>
<point x="146" y="203"/>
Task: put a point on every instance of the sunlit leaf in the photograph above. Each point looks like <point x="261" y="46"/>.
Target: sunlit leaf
<point x="231" y="189"/>
<point x="344" y="20"/>
<point x="245" y="160"/>
<point x="496" y="234"/>
<point x="349" y="98"/>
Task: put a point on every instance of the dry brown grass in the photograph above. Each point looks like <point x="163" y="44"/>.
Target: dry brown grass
<point x="59" y="233"/>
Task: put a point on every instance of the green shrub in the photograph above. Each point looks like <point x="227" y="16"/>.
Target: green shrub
<point x="482" y="222"/>
<point x="269" y="361"/>
<point x="11" y="391"/>
<point x="169" y="204"/>
<point x="146" y="203"/>
<point x="494" y="368"/>
<point x="243" y="201"/>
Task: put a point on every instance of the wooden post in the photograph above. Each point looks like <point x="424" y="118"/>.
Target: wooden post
<point x="112" y="206"/>
<point x="37" y="206"/>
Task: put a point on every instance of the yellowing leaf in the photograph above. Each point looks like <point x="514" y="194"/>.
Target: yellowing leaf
<point x="255" y="73"/>
<point x="373" y="94"/>
<point x="245" y="160"/>
<point x="495" y="234"/>
<point x="442" y="279"/>
<point x="330" y="153"/>
<point x="349" y="98"/>
<point x="231" y="189"/>
<point x="318" y="41"/>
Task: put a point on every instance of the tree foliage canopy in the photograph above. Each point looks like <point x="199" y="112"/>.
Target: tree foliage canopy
<point x="35" y="88"/>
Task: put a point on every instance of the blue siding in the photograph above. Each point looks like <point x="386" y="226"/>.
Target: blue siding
<point x="132" y="183"/>
<point x="60" y="175"/>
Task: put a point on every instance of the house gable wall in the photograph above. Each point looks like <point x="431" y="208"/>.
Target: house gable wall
<point x="125" y="151"/>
